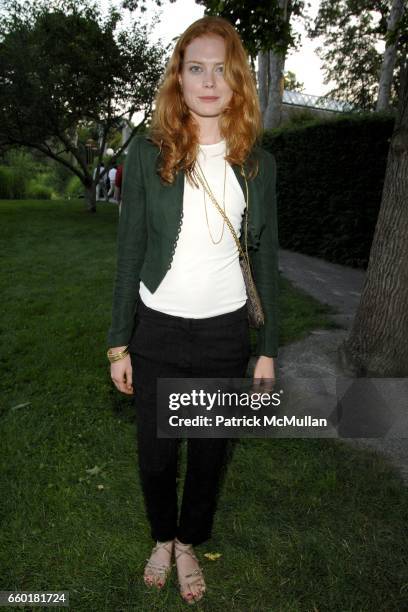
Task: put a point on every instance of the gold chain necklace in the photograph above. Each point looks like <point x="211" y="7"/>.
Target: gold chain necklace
<point x="205" y="204"/>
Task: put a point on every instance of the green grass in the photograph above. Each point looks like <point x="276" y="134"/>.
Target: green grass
<point x="303" y="525"/>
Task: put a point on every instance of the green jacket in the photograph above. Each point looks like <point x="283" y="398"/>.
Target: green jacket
<point x="148" y="230"/>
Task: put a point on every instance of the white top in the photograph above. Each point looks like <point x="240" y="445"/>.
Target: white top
<point x="101" y="169"/>
<point x="205" y="279"/>
<point x="112" y="175"/>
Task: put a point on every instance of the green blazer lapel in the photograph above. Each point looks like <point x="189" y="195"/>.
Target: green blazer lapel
<point x="240" y="177"/>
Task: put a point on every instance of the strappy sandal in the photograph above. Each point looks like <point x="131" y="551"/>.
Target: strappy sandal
<point x="158" y="572"/>
<point x="185" y="587"/>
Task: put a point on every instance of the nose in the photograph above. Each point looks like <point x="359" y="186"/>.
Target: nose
<point x="209" y="80"/>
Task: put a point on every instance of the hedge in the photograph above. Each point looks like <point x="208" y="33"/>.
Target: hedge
<point x="330" y="177"/>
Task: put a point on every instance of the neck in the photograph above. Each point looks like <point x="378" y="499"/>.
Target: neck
<point x="209" y="131"/>
<point x="210" y="141"/>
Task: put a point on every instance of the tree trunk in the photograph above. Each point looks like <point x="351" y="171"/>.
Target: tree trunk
<point x="378" y="342"/>
<point x="263" y="81"/>
<point x="390" y="53"/>
<point x="90" y="192"/>
<point x="273" y="112"/>
<point x="276" y="62"/>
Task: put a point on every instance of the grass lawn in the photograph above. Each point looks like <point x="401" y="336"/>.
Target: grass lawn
<point x="303" y="525"/>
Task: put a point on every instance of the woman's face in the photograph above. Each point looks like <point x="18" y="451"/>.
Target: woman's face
<point x="205" y="91"/>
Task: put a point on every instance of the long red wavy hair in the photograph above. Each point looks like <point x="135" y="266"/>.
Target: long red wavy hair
<point x="173" y="128"/>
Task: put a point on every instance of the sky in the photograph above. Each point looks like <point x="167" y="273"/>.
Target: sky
<point x="176" y="17"/>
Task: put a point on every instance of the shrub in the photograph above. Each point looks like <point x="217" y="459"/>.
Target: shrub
<point x="330" y="176"/>
<point x="75" y="188"/>
<point x="5" y="183"/>
<point x="13" y="183"/>
<point x="37" y="190"/>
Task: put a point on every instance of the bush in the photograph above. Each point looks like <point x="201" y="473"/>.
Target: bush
<point x="299" y="118"/>
<point x="37" y="190"/>
<point x="5" y="183"/>
<point x="13" y="183"/>
<point x="60" y="176"/>
<point x="74" y="188"/>
<point x="330" y="176"/>
<point x="16" y="174"/>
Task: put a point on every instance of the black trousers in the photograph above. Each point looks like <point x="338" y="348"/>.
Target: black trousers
<point x="165" y="346"/>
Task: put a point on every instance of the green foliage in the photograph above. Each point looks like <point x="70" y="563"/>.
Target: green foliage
<point x="37" y="189"/>
<point x="16" y="174"/>
<point x="261" y="25"/>
<point x="299" y="118"/>
<point x="60" y="177"/>
<point x="17" y="186"/>
<point x="352" y="31"/>
<point x="329" y="184"/>
<point x="23" y="177"/>
<point x="290" y="82"/>
<point x="6" y="179"/>
<point x="132" y="5"/>
<point x="21" y="162"/>
<point x="115" y="141"/>
<point x="74" y="188"/>
<point x="75" y="67"/>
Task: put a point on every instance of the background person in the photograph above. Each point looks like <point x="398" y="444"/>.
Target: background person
<point x="112" y="177"/>
<point x="100" y="185"/>
<point x="118" y="185"/>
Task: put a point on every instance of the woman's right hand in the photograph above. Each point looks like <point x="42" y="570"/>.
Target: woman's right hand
<point x="121" y="373"/>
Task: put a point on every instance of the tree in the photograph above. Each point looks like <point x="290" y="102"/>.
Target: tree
<point x="377" y="345"/>
<point x="271" y="64"/>
<point x="390" y="54"/>
<point x="352" y="31"/>
<point x="64" y="66"/>
<point x="132" y="5"/>
<point x="291" y="83"/>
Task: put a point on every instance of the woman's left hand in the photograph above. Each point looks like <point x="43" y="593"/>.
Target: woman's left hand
<point x="265" y="367"/>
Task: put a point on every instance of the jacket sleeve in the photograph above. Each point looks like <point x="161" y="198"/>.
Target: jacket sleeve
<point x="265" y="265"/>
<point x="131" y="247"/>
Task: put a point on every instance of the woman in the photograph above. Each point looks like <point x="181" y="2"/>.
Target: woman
<point x="188" y="316"/>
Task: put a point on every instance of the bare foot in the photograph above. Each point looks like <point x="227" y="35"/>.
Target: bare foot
<point x="190" y="575"/>
<point x="158" y="566"/>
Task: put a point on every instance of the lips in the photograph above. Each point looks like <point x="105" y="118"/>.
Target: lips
<point x="208" y="98"/>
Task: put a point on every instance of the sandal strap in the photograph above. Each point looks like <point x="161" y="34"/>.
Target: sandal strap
<point x="156" y="566"/>
<point x="187" y="551"/>
<point x="163" y="545"/>
<point x="159" y="569"/>
<point x="186" y="585"/>
<point x="196" y="572"/>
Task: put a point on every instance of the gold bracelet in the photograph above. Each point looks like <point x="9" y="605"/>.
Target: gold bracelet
<point x="117" y="356"/>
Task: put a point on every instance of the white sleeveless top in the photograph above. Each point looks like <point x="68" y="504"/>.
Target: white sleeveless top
<point x="205" y="279"/>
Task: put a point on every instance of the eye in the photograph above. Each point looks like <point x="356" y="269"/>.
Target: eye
<point x="195" y="68"/>
<point x="220" y="69"/>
